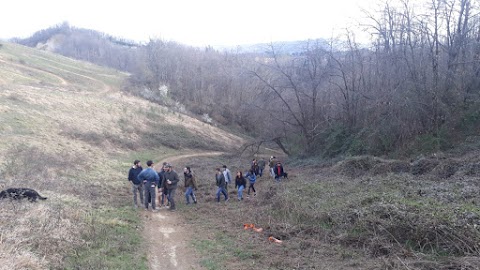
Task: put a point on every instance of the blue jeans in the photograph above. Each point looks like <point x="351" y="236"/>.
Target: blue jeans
<point x="189" y="193"/>
<point x="260" y="171"/>
<point x="240" y="192"/>
<point x="223" y="191"/>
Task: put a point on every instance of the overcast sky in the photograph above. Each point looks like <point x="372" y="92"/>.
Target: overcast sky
<point x="193" y="22"/>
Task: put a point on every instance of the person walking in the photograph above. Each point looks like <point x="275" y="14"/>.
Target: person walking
<point x="255" y="168"/>
<point x="190" y="184"/>
<point x="228" y="176"/>
<point x="261" y="166"/>
<point x="220" y="182"/>
<point x="170" y="183"/>
<point x="252" y="178"/>
<point x="137" y="185"/>
<point x="150" y="180"/>
<point x="240" y="184"/>
<point x="271" y="164"/>
<point x="278" y="170"/>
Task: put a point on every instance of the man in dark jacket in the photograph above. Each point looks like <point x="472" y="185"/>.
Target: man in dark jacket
<point x="137" y="185"/>
<point x="261" y="166"/>
<point x="220" y="181"/>
<point x="150" y="180"/>
<point x="190" y="185"/>
<point x="170" y="182"/>
<point x="162" y="192"/>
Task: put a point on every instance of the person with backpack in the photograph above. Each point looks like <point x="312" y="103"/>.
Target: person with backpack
<point x="278" y="170"/>
<point x="252" y="178"/>
<point x="137" y="185"/>
<point x="240" y="184"/>
<point x="220" y="182"/>
<point x="150" y="180"/>
<point x="190" y="184"/>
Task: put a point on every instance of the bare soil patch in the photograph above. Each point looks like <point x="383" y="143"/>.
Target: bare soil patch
<point x="168" y="236"/>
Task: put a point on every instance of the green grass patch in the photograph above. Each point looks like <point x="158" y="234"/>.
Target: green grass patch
<point x="113" y="241"/>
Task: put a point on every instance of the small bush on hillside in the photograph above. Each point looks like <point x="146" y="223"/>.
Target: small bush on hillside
<point x="356" y="166"/>
<point x="391" y="166"/>
<point x="423" y="166"/>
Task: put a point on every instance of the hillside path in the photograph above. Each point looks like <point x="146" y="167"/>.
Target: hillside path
<point x="167" y="235"/>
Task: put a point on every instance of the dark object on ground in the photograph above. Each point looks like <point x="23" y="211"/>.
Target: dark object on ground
<point x="285" y="175"/>
<point x="20" y="193"/>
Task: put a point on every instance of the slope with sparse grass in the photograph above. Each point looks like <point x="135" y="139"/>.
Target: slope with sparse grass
<point x="358" y="213"/>
<point x="68" y="131"/>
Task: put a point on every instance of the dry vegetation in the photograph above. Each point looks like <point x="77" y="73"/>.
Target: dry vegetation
<point x="70" y="133"/>
<point x="361" y="213"/>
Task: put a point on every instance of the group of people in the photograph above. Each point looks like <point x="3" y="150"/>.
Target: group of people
<point x="146" y="182"/>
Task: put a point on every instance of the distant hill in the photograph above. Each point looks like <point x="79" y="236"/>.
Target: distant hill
<point x="285" y="47"/>
<point x="84" y="44"/>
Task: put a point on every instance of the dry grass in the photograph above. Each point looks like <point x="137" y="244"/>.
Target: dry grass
<point x="70" y="133"/>
<point x="329" y="220"/>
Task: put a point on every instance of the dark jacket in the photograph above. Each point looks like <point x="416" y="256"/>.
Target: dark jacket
<point x="262" y="163"/>
<point x="240" y="181"/>
<point x="161" y="175"/>
<point x="190" y="180"/>
<point x="133" y="173"/>
<point x="149" y="176"/>
<point x="172" y="176"/>
<point x="255" y="168"/>
<point x="220" y="180"/>
<point x="278" y="170"/>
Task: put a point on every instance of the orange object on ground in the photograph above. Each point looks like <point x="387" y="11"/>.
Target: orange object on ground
<point x="247" y="226"/>
<point x="274" y="240"/>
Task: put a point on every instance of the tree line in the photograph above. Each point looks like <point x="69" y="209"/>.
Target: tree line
<point x="413" y="88"/>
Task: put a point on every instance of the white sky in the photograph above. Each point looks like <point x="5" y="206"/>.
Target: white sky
<point x="193" y="22"/>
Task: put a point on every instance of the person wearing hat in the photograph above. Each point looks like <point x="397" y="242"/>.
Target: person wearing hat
<point x="137" y="185"/>
<point x="278" y="170"/>
<point x="170" y="182"/>
<point x="150" y="180"/>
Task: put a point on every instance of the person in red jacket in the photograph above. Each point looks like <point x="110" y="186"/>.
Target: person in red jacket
<point x="278" y="171"/>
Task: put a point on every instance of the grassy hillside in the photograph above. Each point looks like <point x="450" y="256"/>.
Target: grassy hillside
<point x="69" y="132"/>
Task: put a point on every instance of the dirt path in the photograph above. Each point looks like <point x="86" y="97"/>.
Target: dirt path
<point x="168" y="236"/>
<point x="62" y="81"/>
